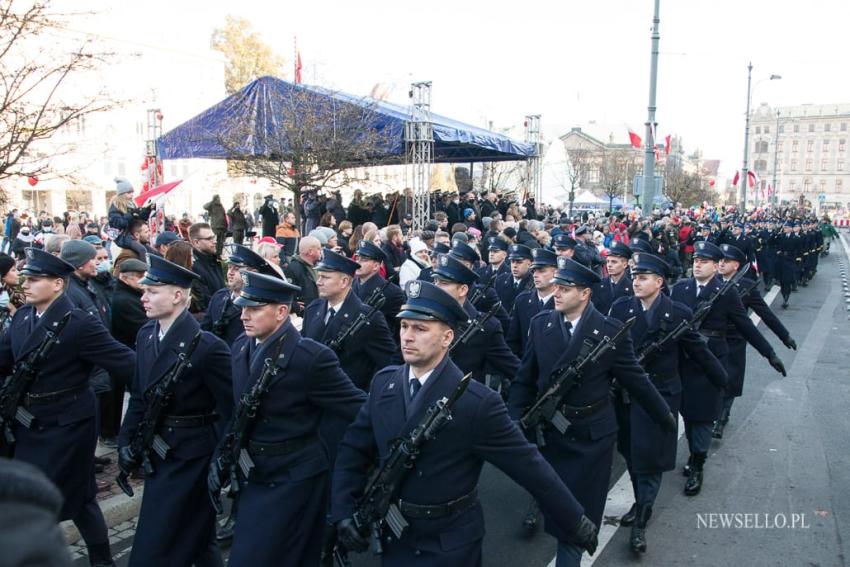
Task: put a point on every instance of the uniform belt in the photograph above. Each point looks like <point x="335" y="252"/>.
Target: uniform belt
<point x="658" y="378"/>
<point x="189" y="420"/>
<point x="283" y="448"/>
<point x="572" y="412"/>
<point x="713" y="334"/>
<point x="433" y="511"/>
<point x="47" y="397"/>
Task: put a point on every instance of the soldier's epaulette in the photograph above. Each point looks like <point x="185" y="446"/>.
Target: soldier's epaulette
<point x="620" y="300"/>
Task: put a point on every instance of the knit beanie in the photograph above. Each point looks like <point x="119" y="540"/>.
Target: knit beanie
<point x="122" y="185"/>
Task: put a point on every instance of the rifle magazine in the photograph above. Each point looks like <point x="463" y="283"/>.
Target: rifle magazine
<point x="396" y="521"/>
<point x="160" y="447"/>
<point x="24" y="417"/>
<point x="246" y="463"/>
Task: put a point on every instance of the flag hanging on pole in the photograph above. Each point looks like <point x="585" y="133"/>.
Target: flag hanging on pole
<point x="736" y="178"/>
<point x="752" y="178"/>
<point x="769" y="190"/>
<point x="297" y="67"/>
<point x="635" y="139"/>
<point x="667" y="140"/>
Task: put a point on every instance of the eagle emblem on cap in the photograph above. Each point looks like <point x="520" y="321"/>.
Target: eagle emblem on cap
<point x="636" y="258"/>
<point x="29" y="254"/>
<point x="701" y="245"/>
<point x="725" y="247"/>
<point x="444" y="260"/>
<point x="535" y="252"/>
<point x="413" y="289"/>
<point x="562" y="263"/>
<point x="244" y="279"/>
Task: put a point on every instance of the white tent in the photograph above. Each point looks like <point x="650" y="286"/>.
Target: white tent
<point x="588" y="198"/>
<point x="555" y="182"/>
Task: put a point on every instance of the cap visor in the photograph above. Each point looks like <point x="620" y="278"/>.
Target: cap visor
<point x="245" y="302"/>
<point x="146" y="281"/>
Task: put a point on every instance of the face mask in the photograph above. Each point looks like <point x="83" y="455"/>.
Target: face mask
<point x="4" y="299"/>
<point x="104" y="267"/>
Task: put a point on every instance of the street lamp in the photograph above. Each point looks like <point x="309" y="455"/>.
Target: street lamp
<point x="745" y="169"/>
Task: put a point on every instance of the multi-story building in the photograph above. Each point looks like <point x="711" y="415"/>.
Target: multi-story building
<point x="802" y="152"/>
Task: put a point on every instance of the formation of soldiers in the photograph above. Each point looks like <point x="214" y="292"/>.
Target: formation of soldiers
<point x="336" y="437"/>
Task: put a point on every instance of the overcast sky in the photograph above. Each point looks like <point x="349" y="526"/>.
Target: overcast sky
<point x="571" y="61"/>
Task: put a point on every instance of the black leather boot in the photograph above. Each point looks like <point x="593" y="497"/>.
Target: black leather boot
<point x="531" y="520"/>
<point x="638" y="535"/>
<point x="694" y="482"/>
<point x="628" y="518"/>
<point x="720" y="424"/>
<point x="686" y="471"/>
<point x="100" y="555"/>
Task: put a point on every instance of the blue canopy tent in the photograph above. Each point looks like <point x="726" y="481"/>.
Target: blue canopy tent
<point x="250" y="121"/>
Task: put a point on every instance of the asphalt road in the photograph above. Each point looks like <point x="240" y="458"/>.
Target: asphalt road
<point x="784" y="461"/>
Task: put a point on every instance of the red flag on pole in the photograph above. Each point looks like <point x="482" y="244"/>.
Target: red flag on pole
<point x="635" y="139"/>
<point x="752" y="178"/>
<point x="297" y="67"/>
<point x="667" y="140"/>
<point x="769" y="190"/>
<point x="736" y="178"/>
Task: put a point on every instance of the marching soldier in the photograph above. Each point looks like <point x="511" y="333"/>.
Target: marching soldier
<point x="747" y="289"/>
<point x="518" y="280"/>
<point x="62" y="437"/>
<point x="485" y="353"/>
<point x="530" y="303"/>
<point x="176" y="522"/>
<point x="328" y="318"/>
<point x="618" y="282"/>
<point x="282" y="503"/>
<point x="482" y="297"/>
<point x="583" y="455"/>
<point x="564" y="245"/>
<point x="701" y="398"/>
<point x="648" y="450"/>
<point x="370" y="283"/>
<point x="222" y="316"/>
<point x="497" y="253"/>
<point x="787" y="252"/>
<point x="438" y="497"/>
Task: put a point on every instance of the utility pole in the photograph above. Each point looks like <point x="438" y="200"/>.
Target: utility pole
<point x="745" y="172"/>
<point x="774" y="198"/>
<point x="649" y="157"/>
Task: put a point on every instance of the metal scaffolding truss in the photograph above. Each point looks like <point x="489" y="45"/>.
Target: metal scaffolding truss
<point x="419" y="139"/>
<point x="534" y="171"/>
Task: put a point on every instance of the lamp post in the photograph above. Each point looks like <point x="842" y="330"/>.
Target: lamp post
<point x="745" y="168"/>
<point x="774" y="199"/>
<point x="649" y="153"/>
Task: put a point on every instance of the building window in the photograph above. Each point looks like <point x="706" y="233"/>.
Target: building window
<point x="841" y="145"/>
<point x="824" y="164"/>
<point x="792" y="186"/>
<point x="822" y="188"/>
<point x="843" y="126"/>
<point x="810" y="146"/>
<point x="809" y="164"/>
<point x="807" y="185"/>
<point x="760" y="165"/>
<point x="779" y="146"/>
<point x="782" y="128"/>
<point x="839" y="165"/>
<point x="838" y="185"/>
<point x="767" y="129"/>
<point x="795" y="146"/>
<point x="825" y="147"/>
<point x="758" y="129"/>
<point x="761" y="148"/>
<point x="826" y="127"/>
<point x="796" y="128"/>
<point x="811" y="127"/>
<point x="793" y="165"/>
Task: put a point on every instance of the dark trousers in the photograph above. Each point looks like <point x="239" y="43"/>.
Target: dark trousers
<point x="89" y="521"/>
<point x="220" y="235"/>
<point x="238" y="236"/>
<point x="111" y="407"/>
<point x="698" y="434"/>
<point x="646" y="487"/>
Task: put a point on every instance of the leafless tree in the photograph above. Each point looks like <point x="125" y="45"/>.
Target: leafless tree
<point x="309" y="140"/>
<point x="686" y="187"/>
<point x="578" y="171"/>
<point x="43" y="86"/>
<point x="613" y="173"/>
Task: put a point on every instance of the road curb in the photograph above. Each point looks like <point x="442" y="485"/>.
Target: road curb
<point x="116" y="509"/>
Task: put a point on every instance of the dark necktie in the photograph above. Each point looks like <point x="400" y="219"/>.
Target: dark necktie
<point x="415" y="385"/>
<point x="700" y="288"/>
<point x="541" y="305"/>
<point x="567" y="327"/>
<point x="329" y="317"/>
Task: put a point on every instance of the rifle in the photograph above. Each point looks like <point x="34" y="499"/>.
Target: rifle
<point x="377" y="293"/>
<point x="545" y="408"/>
<point x="474" y="326"/>
<point x="696" y="320"/>
<point x="478" y="293"/>
<point x="23" y="375"/>
<point x="146" y="437"/>
<point x="232" y="450"/>
<point x="360" y="321"/>
<point x="376" y="508"/>
<point x="220" y="325"/>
